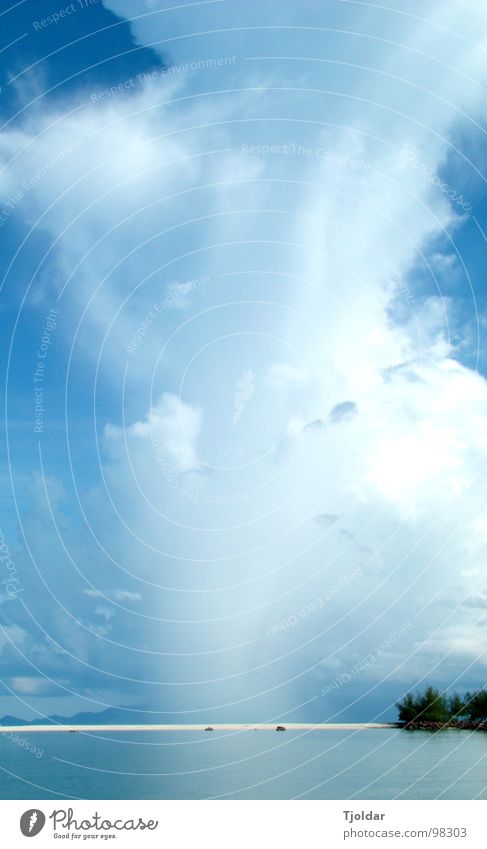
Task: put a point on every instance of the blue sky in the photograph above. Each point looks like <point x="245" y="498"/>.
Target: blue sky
<point x="243" y="263"/>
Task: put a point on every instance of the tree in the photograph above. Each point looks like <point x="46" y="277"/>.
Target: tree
<point x="433" y="706"/>
<point x="430" y="706"/>
<point x="407" y="708"/>
<point x="456" y="706"/>
<point x="476" y="706"/>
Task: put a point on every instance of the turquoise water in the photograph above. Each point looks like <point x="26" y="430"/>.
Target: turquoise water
<point x="364" y="764"/>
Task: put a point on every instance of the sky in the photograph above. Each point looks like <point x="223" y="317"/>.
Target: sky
<point x="243" y="312"/>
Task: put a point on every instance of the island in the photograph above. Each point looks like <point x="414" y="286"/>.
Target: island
<point x="433" y="710"/>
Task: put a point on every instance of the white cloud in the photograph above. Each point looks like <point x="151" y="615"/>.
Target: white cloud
<point x="285" y="375"/>
<point x="323" y="276"/>
<point x="105" y="612"/>
<point x="171" y="427"/>
<point x="126" y="595"/>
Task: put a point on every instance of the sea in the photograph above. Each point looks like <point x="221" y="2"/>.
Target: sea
<point x="247" y="764"/>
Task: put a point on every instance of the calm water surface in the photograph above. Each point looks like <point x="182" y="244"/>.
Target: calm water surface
<point x="364" y="764"/>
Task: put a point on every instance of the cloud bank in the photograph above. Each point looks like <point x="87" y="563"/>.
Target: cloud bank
<point x="304" y="415"/>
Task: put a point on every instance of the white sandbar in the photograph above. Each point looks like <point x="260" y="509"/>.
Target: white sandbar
<point x="259" y="726"/>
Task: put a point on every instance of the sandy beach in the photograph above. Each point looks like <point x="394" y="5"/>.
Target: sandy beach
<point x="287" y="726"/>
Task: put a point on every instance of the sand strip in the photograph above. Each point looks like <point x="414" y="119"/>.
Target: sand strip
<point x="288" y="726"/>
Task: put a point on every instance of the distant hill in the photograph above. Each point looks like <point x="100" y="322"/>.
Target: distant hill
<point x="110" y="716"/>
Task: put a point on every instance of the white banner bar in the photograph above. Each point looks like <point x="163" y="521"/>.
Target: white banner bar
<point x="245" y="825"/>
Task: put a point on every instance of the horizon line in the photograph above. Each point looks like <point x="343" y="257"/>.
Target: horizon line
<point x="229" y="726"/>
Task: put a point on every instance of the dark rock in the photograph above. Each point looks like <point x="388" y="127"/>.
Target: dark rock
<point x="462" y="724"/>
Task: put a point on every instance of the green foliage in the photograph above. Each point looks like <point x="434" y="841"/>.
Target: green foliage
<point x="456" y="706"/>
<point x="476" y="706"/>
<point x="408" y="709"/>
<point x="434" y="706"/>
